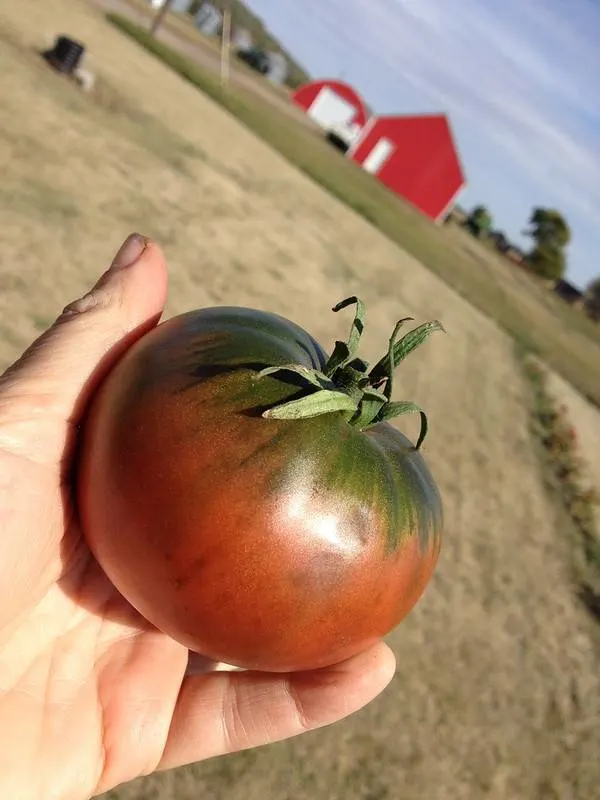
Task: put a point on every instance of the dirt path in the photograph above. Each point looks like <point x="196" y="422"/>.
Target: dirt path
<point x="497" y="694"/>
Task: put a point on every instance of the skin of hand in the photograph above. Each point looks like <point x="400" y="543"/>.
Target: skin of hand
<point x="91" y="695"/>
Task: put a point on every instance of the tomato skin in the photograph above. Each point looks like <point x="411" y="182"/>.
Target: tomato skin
<point x="268" y="544"/>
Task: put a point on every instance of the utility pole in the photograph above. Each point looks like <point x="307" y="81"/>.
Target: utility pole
<point x="225" y="46"/>
<point x="159" y="16"/>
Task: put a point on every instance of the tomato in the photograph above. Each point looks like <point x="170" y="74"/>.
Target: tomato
<point x="247" y="494"/>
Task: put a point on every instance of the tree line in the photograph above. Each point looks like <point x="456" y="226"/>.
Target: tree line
<point x="550" y="234"/>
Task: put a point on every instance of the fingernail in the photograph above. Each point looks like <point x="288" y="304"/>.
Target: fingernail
<point x="130" y="251"/>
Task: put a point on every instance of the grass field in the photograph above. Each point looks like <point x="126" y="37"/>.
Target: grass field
<point x="587" y="419"/>
<point x="242" y="17"/>
<point x="497" y="694"/>
<point x="524" y="310"/>
<point x="206" y="48"/>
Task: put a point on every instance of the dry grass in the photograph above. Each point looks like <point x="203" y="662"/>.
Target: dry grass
<point x="242" y="17"/>
<point x="179" y="30"/>
<point x="486" y="281"/>
<point x="529" y="295"/>
<point x="497" y="691"/>
<point x="570" y="468"/>
<point x="587" y="420"/>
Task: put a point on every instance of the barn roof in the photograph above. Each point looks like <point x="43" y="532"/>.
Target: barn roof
<point x="304" y="95"/>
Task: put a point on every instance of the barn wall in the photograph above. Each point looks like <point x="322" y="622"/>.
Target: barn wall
<point x="424" y="168"/>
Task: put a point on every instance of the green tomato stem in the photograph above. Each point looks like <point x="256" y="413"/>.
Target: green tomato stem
<point x="346" y="386"/>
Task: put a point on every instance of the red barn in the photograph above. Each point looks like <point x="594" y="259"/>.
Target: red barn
<point x="332" y="103"/>
<point x="414" y="156"/>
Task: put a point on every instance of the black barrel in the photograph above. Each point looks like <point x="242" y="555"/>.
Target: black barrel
<point x="65" y="55"/>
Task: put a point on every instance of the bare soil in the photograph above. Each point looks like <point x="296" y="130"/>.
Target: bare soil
<point x="497" y="693"/>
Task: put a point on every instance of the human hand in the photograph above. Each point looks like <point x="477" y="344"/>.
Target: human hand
<point x="91" y="695"/>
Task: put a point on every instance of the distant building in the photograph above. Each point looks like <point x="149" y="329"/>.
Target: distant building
<point x="242" y="40"/>
<point x="179" y="6"/>
<point x="334" y="106"/>
<point x="278" y="68"/>
<point x="414" y="156"/>
<point x="209" y="20"/>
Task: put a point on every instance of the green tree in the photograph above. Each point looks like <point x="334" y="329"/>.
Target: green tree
<point x="479" y="222"/>
<point x="548" y="227"/>
<point x="548" y="262"/>
<point x="551" y="234"/>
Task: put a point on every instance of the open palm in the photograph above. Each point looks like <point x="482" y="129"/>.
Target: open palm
<point x="91" y="695"/>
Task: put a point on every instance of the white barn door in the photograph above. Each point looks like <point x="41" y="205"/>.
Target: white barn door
<point x="329" y="109"/>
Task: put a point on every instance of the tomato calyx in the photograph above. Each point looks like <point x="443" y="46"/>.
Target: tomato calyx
<point x="346" y="384"/>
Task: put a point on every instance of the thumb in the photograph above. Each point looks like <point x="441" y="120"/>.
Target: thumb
<point x="44" y="393"/>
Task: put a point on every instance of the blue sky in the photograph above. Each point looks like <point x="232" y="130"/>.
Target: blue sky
<point x="520" y="80"/>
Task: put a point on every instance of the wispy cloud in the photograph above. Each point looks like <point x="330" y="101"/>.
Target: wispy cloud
<point x="520" y="80"/>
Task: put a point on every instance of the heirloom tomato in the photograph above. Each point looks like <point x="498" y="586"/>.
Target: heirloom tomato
<point x="248" y="495"/>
